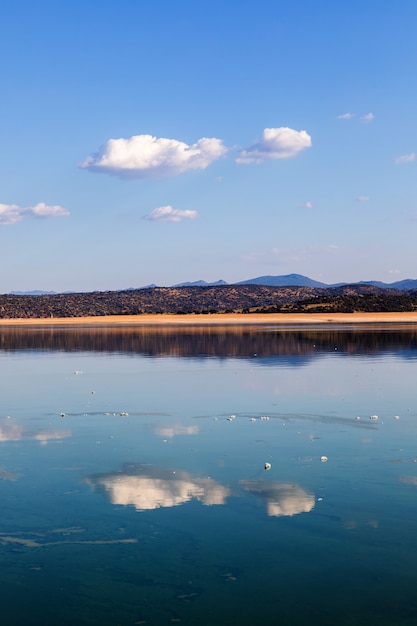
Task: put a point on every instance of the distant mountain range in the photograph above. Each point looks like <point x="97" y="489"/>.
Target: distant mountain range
<point x="287" y="280"/>
<point x="35" y="292"/>
<point x="298" y="280"/>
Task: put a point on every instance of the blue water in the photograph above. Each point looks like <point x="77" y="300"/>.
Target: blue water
<point x="134" y="490"/>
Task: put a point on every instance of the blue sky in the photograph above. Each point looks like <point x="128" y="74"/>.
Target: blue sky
<point x="159" y="141"/>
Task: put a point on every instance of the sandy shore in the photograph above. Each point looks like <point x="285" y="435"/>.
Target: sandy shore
<point x="220" y="319"/>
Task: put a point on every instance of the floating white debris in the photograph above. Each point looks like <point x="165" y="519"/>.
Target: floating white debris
<point x="123" y="414"/>
<point x="357" y="417"/>
<point x="323" y="459"/>
<point x="267" y="466"/>
<point x="264" y="418"/>
<point x="396" y="417"/>
<point x="231" y="418"/>
<point x="215" y="419"/>
<point x="374" y="418"/>
<point x="319" y="499"/>
<point x="252" y="419"/>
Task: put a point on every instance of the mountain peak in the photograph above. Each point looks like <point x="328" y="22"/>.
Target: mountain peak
<point x="288" y="280"/>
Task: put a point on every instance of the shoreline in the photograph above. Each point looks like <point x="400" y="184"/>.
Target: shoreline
<point x="282" y="319"/>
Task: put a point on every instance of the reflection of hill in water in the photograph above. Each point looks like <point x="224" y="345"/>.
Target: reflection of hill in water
<point x="267" y="344"/>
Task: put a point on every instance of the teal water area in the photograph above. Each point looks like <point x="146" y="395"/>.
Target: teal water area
<point x="133" y="484"/>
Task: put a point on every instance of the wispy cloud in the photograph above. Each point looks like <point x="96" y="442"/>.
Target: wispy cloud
<point x="368" y="117"/>
<point x="362" y="199"/>
<point x="306" y="205"/>
<point x="405" y="158"/>
<point x="291" y="254"/>
<point x="13" y="213"/>
<point x="145" y="156"/>
<point x="276" y="143"/>
<point x="168" y="214"/>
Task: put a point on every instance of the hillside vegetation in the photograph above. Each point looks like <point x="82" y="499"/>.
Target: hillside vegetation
<point x="210" y="300"/>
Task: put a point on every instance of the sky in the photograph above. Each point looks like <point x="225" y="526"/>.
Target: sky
<point x="164" y="141"/>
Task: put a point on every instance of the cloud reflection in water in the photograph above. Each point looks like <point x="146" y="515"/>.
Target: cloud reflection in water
<point x="281" y="498"/>
<point x="175" y="429"/>
<point x="10" y="431"/>
<point x="148" y="488"/>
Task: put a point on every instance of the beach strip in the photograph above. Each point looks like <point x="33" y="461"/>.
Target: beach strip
<point x="216" y="319"/>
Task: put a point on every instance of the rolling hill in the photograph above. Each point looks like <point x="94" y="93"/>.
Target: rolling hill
<point x="249" y="298"/>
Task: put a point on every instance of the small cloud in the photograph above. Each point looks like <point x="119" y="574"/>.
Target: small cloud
<point x="306" y="205"/>
<point x="394" y="272"/>
<point x="362" y="199"/>
<point x="405" y="158"/>
<point x="291" y="255"/>
<point x="345" y="116"/>
<point x="13" y="213"/>
<point x="10" y="213"/>
<point x="368" y="117"/>
<point x="168" y="214"/>
<point x="145" y="156"/>
<point x="44" y="210"/>
<point x="276" y="143"/>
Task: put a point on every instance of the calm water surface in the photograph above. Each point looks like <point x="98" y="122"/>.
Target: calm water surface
<point x="133" y="484"/>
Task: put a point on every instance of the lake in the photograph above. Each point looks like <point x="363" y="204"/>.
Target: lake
<point x="214" y="476"/>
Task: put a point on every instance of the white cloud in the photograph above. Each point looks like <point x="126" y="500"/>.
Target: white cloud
<point x="291" y="254"/>
<point x="405" y="158"/>
<point x="168" y="214"/>
<point x="306" y="205"/>
<point x="12" y="213"/>
<point x="345" y="116"/>
<point x="145" y="156"/>
<point x="44" y="210"/>
<point x="368" y="117"/>
<point x="362" y="199"/>
<point x="276" y="143"/>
